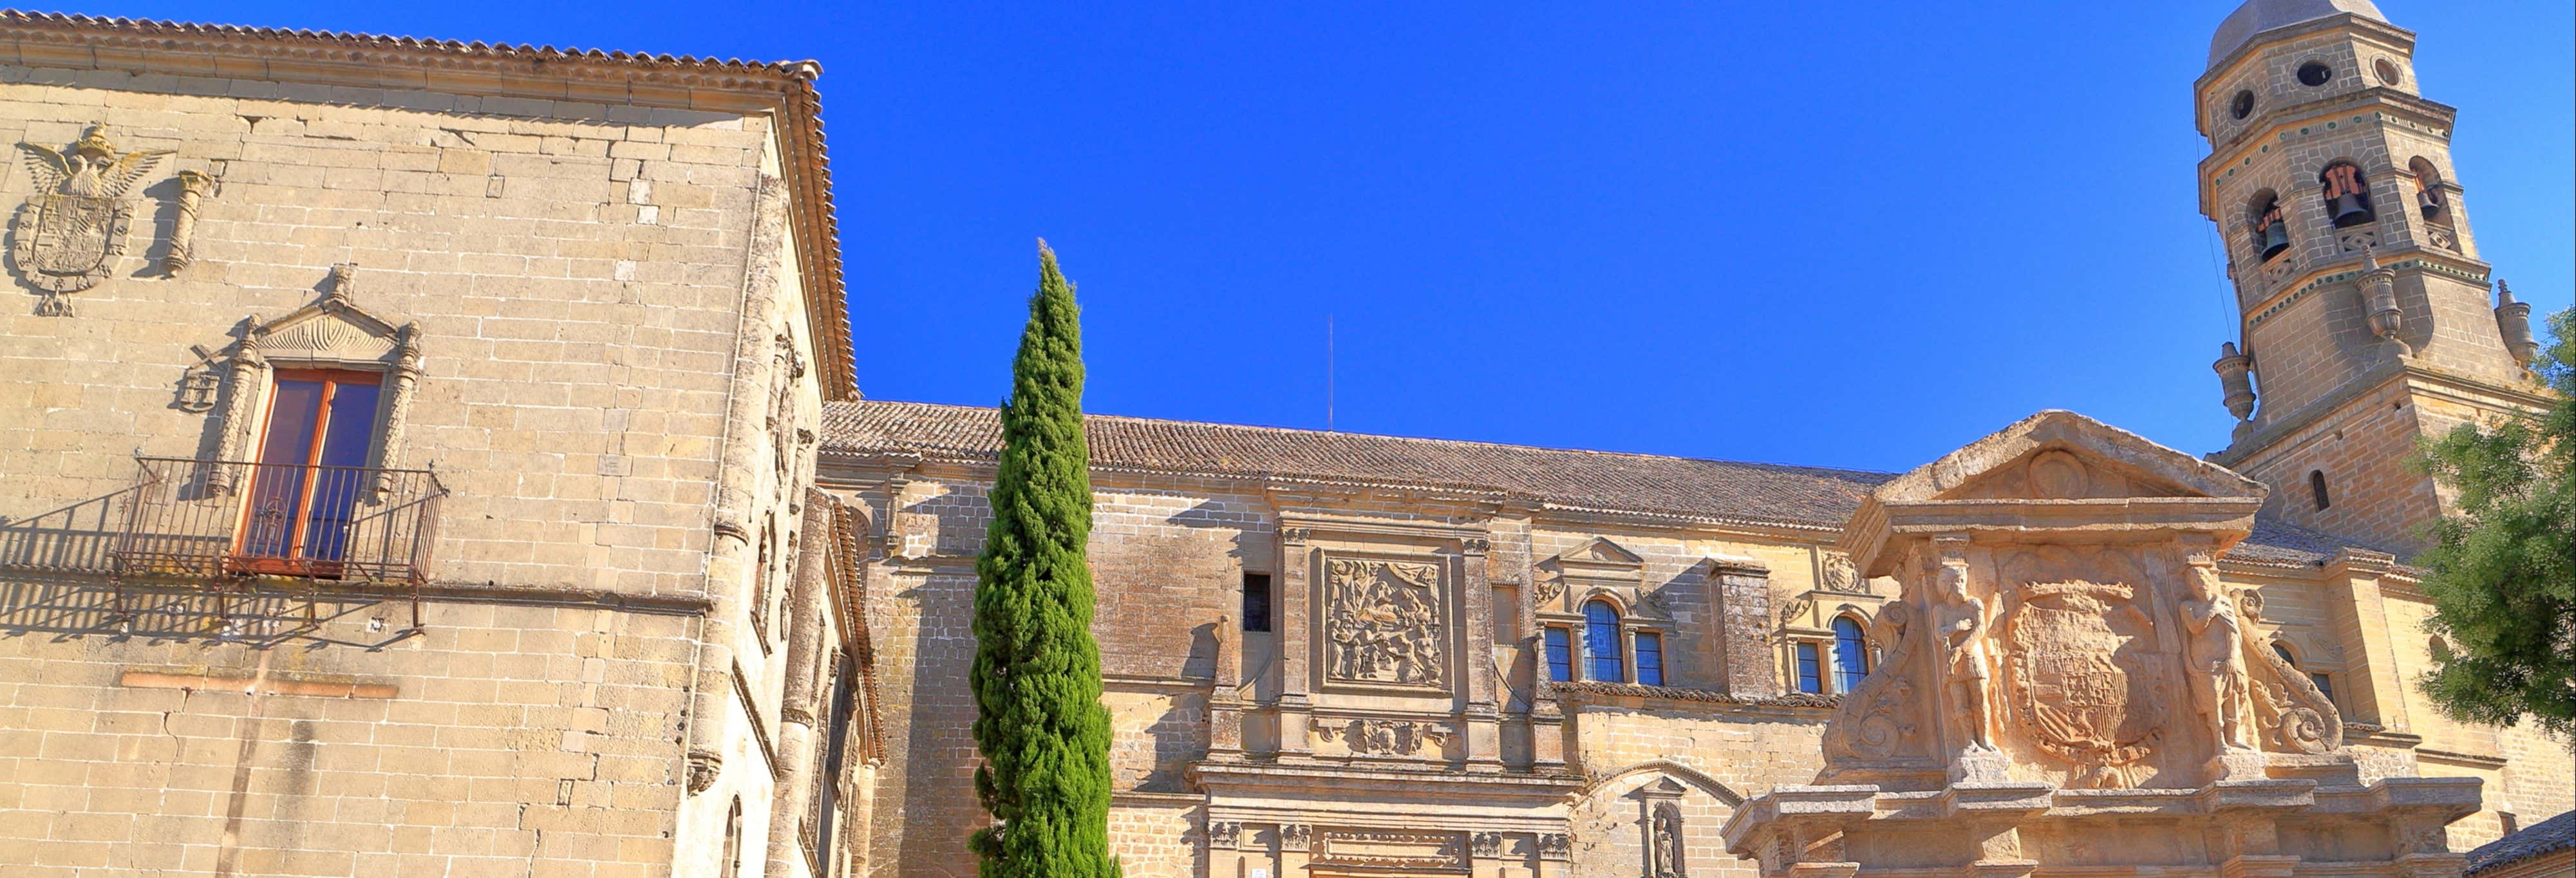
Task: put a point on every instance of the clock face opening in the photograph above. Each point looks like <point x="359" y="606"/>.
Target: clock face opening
<point x="2388" y="74"/>
<point x="2242" y="105"/>
<point x="2315" y="73"/>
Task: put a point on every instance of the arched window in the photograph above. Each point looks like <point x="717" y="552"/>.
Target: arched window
<point x="2428" y="188"/>
<point x="2317" y="488"/>
<point x="1851" y="654"/>
<point x="2438" y="648"/>
<point x="2347" y="195"/>
<point x="2271" y="230"/>
<point x="1601" y="647"/>
<point x="2284" y="652"/>
<point x="732" y="862"/>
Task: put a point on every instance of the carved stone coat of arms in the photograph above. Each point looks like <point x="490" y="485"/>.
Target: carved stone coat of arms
<point x="67" y="237"/>
<point x="2083" y="677"/>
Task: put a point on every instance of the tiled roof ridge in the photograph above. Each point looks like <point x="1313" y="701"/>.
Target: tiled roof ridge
<point x="1824" y="471"/>
<point x="160" y="28"/>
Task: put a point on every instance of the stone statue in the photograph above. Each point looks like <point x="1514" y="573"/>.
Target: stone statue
<point x="1962" y="622"/>
<point x="2220" y="687"/>
<point x="1667" y="831"/>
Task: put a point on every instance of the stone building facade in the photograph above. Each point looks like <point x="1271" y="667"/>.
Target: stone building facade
<point x="1342" y="655"/>
<point x="606" y="568"/>
<point x="407" y="453"/>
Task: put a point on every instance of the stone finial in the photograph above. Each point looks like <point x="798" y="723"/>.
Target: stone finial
<point x="2235" y="379"/>
<point x="2513" y="321"/>
<point x="2379" y="284"/>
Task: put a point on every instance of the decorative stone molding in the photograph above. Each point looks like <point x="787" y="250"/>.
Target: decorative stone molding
<point x="1296" y="836"/>
<point x="1555" y="846"/>
<point x="1486" y="844"/>
<point x="1391" y="849"/>
<point x="703" y="767"/>
<point x="1224" y="835"/>
<point x="333" y="332"/>
<point x="1386" y="737"/>
<point x="70" y="235"/>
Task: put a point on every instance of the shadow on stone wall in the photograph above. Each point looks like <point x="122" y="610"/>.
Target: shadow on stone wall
<point x="74" y="538"/>
<point x="67" y="608"/>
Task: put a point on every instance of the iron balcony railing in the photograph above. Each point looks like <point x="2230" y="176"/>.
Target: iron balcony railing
<point x="209" y="518"/>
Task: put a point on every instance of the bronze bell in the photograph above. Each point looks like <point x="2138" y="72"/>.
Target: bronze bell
<point x="2275" y="240"/>
<point x="2431" y="199"/>
<point x="2350" y="209"/>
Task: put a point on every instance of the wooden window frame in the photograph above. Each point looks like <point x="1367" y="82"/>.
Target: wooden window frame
<point x="289" y="560"/>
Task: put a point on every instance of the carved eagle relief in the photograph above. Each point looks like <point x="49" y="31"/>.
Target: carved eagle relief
<point x="67" y="236"/>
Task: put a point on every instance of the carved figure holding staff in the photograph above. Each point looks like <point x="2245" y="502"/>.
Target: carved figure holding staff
<point x="1962" y="623"/>
<point x="2220" y="685"/>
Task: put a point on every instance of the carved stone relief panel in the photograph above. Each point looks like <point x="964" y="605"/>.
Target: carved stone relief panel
<point x="1840" y="577"/>
<point x="1385" y="623"/>
<point x="1391" y="849"/>
<point x="1386" y="737"/>
<point x="71" y="233"/>
<point x="2086" y="678"/>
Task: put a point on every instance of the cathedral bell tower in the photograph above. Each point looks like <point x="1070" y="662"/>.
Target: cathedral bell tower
<point x="2366" y="317"/>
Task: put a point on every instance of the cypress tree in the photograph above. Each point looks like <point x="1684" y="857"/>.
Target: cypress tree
<point x="1039" y="721"/>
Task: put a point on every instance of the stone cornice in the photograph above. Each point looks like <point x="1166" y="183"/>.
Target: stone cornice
<point x="2370" y="382"/>
<point x="2396" y="36"/>
<point x="839" y="467"/>
<point x="1339" y="781"/>
<point x="1597" y="692"/>
<point x="2349" y="267"/>
<point x="784" y="89"/>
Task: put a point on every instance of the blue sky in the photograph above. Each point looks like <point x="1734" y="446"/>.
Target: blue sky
<point x="1849" y="234"/>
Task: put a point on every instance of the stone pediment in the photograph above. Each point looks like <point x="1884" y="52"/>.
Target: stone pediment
<point x="1599" y="554"/>
<point x="331" y="330"/>
<point x="2061" y="455"/>
<point x="2054" y="471"/>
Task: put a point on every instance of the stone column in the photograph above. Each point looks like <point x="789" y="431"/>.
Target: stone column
<point x="808" y="606"/>
<point x="729" y="568"/>
<point x="1742" y="597"/>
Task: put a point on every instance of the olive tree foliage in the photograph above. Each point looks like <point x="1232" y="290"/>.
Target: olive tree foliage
<point x="2502" y="568"/>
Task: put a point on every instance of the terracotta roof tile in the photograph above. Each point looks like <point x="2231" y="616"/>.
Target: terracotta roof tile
<point x="1643" y="483"/>
<point x="2554" y="834"/>
<point x="1590" y="479"/>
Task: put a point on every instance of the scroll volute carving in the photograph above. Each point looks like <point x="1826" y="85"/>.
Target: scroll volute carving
<point x="2290" y="712"/>
<point x="1879" y="719"/>
<point x="333" y="332"/>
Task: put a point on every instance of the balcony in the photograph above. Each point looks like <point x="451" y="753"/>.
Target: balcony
<point x="232" y="522"/>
